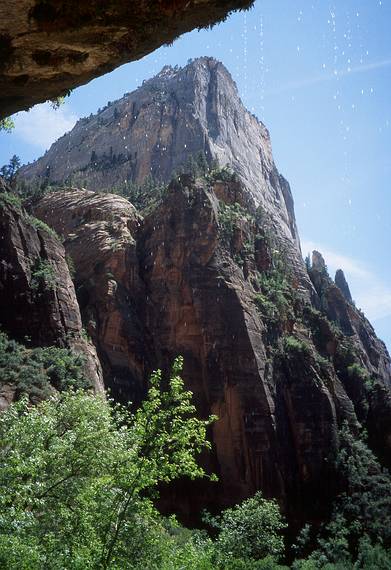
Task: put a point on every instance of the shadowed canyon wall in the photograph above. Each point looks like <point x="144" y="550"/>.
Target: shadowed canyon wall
<point x="212" y="270"/>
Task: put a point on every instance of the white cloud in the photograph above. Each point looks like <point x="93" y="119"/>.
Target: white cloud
<point x="42" y="125"/>
<point x="370" y="293"/>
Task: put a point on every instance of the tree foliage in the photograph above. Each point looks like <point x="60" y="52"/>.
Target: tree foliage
<point x="10" y="170"/>
<point x="146" y="195"/>
<point x="77" y="475"/>
<point x="251" y="530"/>
<point x="358" y="534"/>
<point x="34" y="372"/>
<point x="7" y="125"/>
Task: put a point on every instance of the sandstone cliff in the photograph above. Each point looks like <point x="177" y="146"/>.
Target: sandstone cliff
<point x="99" y="233"/>
<point x="212" y="270"/>
<point x="153" y="130"/>
<point x="50" y="46"/>
<point x="163" y="124"/>
<point x="200" y="276"/>
<point x="38" y="305"/>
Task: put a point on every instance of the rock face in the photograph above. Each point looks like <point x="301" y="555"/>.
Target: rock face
<point x="155" y="129"/>
<point x="341" y="282"/>
<point x="335" y="302"/>
<point x="367" y="376"/>
<point x="38" y="304"/>
<point x="214" y="272"/>
<point x="50" y="46"/>
<point x="99" y="231"/>
<point x="277" y="376"/>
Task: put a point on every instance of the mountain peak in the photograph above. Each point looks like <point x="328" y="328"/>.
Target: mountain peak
<point x="156" y="128"/>
<point x="201" y="70"/>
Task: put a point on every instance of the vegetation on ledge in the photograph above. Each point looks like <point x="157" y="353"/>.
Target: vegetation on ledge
<point x="35" y="372"/>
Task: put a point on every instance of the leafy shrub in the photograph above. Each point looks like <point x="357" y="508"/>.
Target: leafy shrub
<point x="267" y="563"/>
<point x="229" y="217"/>
<point x="10" y="199"/>
<point x="7" y="125"/>
<point x="358" y="534"/>
<point x="357" y="372"/>
<point x="250" y="531"/>
<point x="267" y="308"/>
<point x="222" y="174"/>
<point x="196" y="165"/>
<point x="42" y="276"/>
<point x="354" y="376"/>
<point x="145" y="196"/>
<point x="276" y="299"/>
<point x="40" y="225"/>
<point x="33" y="190"/>
<point x="322" y="329"/>
<point x="373" y="556"/>
<point x="294" y="346"/>
<point x="34" y="371"/>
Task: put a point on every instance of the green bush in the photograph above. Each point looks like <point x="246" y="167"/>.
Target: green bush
<point x="322" y="329"/>
<point x="196" y="165"/>
<point x="7" y="125"/>
<point x="250" y="531"/>
<point x="373" y="556"/>
<point x="42" y="276"/>
<point x="222" y="174"/>
<point x="267" y="308"/>
<point x="276" y="299"/>
<point x="145" y="196"/>
<point x="40" y="225"/>
<point x="293" y="346"/>
<point x="357" y="372"/>
<point x="78" y="475"/>
<point x="358" y="534"/>
<point x="230" y="216"/>
<point x="10" y="199"/>
<point x="35" y="371"/>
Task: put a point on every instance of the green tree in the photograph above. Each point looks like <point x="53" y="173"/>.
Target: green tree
<point x="250" y="531"/>
<point x="202" y="162"/>
<point x="7" y="125"/>
<point x="145" y="195"/>
<point x="359" y="529"/>
<point x="57" y="102"/>
<point x="77" y="475"/>
<point x="365" y="505"/>
<point x="10" y="170"/>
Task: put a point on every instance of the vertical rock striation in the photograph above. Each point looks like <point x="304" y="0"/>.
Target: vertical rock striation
<point x="276" y="371"/>
<point x="38" y="304"/>
<point x="214" y="272"/>
<point x="153" y="130"/>
<point x="342" y="284"/>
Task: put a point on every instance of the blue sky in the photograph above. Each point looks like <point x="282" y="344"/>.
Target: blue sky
<point x="318" y="74"/>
